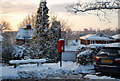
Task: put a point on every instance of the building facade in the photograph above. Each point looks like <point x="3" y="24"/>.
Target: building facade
<point x="24" y="35"/>
<point x="96" y="39"/>
<point x="116" y="37"/>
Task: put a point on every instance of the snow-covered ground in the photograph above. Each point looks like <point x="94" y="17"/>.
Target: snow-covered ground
<point x="49" y="70"/>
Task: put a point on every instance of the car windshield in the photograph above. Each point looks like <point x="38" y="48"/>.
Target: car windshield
<point x="110" y="51"/>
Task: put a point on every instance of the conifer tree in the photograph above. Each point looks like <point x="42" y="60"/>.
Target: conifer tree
<point x="46" y="38"/>
<point x="42" y="25"/>
<point x="54" y="36"/>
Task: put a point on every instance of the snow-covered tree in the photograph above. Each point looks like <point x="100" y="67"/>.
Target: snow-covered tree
<point x="41" y="31"/>
<point x="42" y="23"/>
<point x="54" y="36"/>
<point x="66" y="32"/>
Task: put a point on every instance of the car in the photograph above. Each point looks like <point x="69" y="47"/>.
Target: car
<point x="107" y="61"/>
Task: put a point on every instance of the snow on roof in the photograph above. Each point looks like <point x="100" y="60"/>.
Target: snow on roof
<point x="1" y="37"/>
<point x="25" y="33"/>
<point x="61" y="39"/>
<point x="43" y="0"/>
<point x="116" y="36"/>
<point x="113" y="45"/>
<point x="97" y="36"/>
<point x="96" y="45"/>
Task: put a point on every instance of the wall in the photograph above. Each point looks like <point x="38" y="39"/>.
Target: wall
<point x="69" y="56"/>
<point x="87" y="42"/>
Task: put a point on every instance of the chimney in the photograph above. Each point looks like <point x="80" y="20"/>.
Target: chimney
<point x="28" y="26"/>
<point x="43" y="0"/>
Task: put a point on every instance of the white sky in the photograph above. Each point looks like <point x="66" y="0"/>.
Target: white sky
<point x="56" y="7"/>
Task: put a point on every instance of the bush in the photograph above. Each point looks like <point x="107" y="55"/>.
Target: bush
<point x="24" y="52"/>
<point x="7" y="54"/>
<point x="86" y="54"/>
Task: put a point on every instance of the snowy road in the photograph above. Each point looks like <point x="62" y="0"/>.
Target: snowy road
<point x="61" y="80"/>
<point x="50" y="71"/>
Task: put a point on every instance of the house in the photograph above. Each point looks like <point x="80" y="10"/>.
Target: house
<point x="116" y="37"/>
<point x="96" y="38"/>
<point x="25" y="35"/>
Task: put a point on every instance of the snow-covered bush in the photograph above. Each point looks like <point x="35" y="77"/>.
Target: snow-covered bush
<point x="23" y="52"/>
<point x="81" y="48"/>
<point x="85" y="57"/>
<point x="18" y="52"/>
<point x="85" y="54"/>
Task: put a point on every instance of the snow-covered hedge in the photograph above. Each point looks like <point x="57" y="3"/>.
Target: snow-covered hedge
<point x="23" y="52"/>
<point x="85" y="54"/>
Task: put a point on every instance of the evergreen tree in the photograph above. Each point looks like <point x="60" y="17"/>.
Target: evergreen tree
<point x="42" y="25"/>
<point x="54" y="36"/>
<point x="46" y="38"/>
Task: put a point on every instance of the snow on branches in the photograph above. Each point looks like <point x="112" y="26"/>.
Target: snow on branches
<point x="23" y="52"/>
<point x="102" y="7"/>
<point x="45" y="40"/>
<point x="98" y="5"/>
<point x="41" y="29"/>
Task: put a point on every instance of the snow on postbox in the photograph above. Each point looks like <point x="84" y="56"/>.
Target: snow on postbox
<point x="61" y="45"/>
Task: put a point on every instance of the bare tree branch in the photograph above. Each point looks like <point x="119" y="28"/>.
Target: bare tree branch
<point x="4" y="25"/>
<point x="98" y="5"/>
<point x="30" y="19"/>
<point x="103" y="8"/>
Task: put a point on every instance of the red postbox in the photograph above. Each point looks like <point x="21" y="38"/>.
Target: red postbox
<point x="61" y="45"/>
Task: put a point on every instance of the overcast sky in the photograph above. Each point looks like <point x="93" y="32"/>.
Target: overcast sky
<point x="15" y="11"/>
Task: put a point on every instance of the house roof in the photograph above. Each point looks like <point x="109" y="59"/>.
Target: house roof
<point x="97" y="36"/>
<point x="116" y="36"/>
<point x="24" y="33"/>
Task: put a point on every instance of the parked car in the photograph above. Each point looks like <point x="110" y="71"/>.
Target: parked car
<point x="108" y="59"/>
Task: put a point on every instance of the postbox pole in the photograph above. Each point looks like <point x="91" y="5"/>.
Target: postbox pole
<point x="60" y="59"/>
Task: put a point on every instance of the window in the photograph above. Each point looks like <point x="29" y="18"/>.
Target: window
<point x="106" y="42"/>
<point x="92" y="41"/>
<point x="110" y="51"/>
